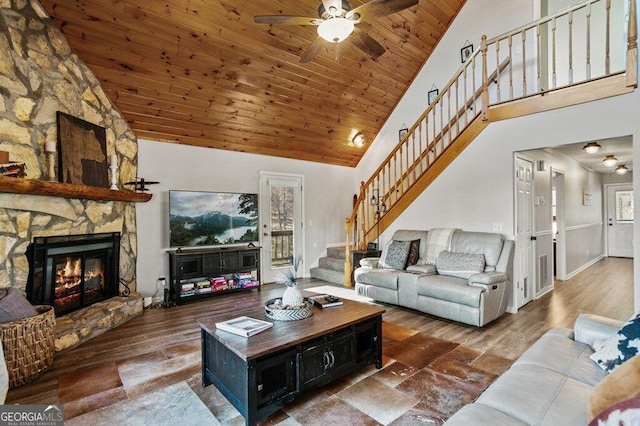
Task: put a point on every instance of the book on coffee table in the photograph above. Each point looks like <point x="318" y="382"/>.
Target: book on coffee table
<point x="244" y="326"/>
<point x="325" y="301"/>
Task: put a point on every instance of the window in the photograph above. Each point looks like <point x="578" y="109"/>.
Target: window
<point x="624" y="206"/>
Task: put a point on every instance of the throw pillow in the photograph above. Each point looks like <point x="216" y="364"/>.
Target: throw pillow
<point x="621" y="347"/>
<point x="621" y="384"/>
<point x="461" y="265"/>
<point x="414" y="253"/>
<point x="14" y="306"/>
<point x="395" y="255"/>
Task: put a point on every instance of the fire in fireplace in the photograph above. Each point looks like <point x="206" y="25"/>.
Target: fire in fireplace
<point x="71" y="272"/>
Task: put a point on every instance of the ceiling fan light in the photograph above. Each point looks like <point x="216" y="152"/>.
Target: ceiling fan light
<point x="592" y="147"/>
<point x="622" y="169"/>
<point x="334" y="30"/>
<point x="610" y="161"/>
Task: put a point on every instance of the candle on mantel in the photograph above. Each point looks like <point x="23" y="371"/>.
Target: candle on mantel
<point x="50" y="146"/>
<point x="113" y="160"/>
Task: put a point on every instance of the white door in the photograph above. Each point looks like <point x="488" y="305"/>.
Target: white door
<point x="281" y="222"/>
<point x="524" y="231"/>
<point x="620" y="220"/>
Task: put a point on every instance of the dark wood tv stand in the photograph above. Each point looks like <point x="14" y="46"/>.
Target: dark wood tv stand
<point x="197" y="273"/>
<point x="262" y="373"/>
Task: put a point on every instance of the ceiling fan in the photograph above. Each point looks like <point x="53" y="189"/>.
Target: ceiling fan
<point x="336" y="21"/>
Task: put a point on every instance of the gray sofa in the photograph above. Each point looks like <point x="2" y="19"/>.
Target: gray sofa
<point x="549" y="384"/>
<point x="448" y="289"/>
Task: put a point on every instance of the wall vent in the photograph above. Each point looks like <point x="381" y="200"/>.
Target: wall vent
<point x="543" y="271"/>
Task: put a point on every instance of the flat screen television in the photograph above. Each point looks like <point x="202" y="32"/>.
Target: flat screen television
<point x="198" y="218"/>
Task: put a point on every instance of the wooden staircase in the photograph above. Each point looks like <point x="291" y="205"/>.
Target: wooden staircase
<point x="530" y="72"/>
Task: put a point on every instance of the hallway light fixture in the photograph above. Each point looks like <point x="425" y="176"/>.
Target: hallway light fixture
<point x="610" y="161"/>
<point x="592" y="147"/>
<point x="622" y="169"/>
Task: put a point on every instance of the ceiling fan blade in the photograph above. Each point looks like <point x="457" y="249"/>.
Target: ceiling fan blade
<point x="377" y="8"/>
<point x="313" y="50"/>
<point x="285" y="20"/>
<point x="366" y="43"/>
<point x="335" y="4"/>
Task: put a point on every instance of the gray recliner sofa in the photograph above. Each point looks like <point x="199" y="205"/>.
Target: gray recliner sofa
<point x="467" y="282"/>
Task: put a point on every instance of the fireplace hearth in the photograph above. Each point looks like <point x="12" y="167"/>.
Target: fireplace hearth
<point x="74" y="271"/>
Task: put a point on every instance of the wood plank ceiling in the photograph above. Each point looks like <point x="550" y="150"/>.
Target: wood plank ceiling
<point x="202" y="73"/>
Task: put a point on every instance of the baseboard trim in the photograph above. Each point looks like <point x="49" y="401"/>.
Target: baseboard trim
<point x="583" y="267"/>
<point x="542" y="293"/>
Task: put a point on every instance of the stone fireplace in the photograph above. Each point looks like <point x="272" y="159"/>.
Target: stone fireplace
<point x="40" y="76"/>
<point x="72" y="272"/>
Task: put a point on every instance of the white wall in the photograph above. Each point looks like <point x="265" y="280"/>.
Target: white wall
<point x="328" y="197"/>
<point x="610" y="178"/>
<point x="477" y="189"/>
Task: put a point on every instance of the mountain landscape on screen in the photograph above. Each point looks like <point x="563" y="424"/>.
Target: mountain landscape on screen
<point x="212" y="218"/>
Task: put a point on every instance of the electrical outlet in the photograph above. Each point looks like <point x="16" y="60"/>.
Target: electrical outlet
<point x="497" y="226"/>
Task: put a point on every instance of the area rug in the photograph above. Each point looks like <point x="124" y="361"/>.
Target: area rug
<point x="176" y="404"/>
<point x="423" y="379"/>
<point x="341" y="292"/>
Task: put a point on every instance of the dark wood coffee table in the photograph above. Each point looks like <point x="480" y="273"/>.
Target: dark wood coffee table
<point x="262" y="373"/>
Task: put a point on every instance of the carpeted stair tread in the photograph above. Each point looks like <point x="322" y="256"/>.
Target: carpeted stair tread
<point x="336" y="277"/>
<point x="331" y="263"/>
<point x="336" y="252"/>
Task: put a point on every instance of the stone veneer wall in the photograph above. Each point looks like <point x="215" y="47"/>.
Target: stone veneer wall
<point x="39" y="75"/>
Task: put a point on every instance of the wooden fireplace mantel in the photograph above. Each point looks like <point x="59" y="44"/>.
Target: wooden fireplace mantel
<point x="67" y="190"/>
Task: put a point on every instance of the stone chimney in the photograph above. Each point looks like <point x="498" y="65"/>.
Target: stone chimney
<point x="40" y="75"/>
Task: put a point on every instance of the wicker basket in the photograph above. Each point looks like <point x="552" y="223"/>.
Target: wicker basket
<point x="29" y="345"/>
<point x="275" y="313"/>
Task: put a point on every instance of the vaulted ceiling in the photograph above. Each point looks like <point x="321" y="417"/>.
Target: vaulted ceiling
<point x="202" y="73"/>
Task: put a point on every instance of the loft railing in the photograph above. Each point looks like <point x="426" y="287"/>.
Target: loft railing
<point x="587" y="42"/>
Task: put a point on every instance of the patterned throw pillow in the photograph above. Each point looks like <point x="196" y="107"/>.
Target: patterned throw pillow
<point x="624" y="345"/>
<point x="395" y="255"/>
<point x="461" y="265"/>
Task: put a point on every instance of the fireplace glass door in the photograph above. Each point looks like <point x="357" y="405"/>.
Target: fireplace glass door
<point x="74" y="271"/>
<point x="79" y="279"/>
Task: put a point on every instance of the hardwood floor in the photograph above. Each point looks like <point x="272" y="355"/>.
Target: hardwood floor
<point x="606" y="289"/>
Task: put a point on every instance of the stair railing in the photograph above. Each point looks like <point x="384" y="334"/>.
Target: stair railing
<point x="559" y="51"/>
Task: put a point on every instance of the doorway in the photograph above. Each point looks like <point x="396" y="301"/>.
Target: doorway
<point x="281" y="219"/>
<point x="619" y="229"/>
